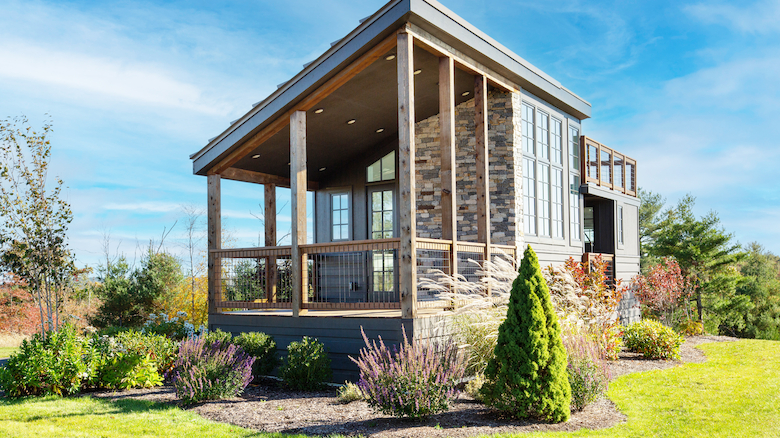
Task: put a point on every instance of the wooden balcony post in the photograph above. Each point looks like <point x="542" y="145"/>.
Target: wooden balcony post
<point x="483" y="161"/>
<point x="269" y="199"/>
<point x="214" y="212"/>
<point x="407" y="205"/>
<point x="449" y="211"/>
<point x="300" y="279"/>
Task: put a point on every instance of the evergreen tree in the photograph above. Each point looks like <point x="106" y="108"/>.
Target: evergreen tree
<point x="527" y="376"/>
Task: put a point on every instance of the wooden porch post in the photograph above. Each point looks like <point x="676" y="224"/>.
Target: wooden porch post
<point x="269" y="199"/>
<point x="214" y="212"/>
<point x="300" y="281"/>
<point x="449" y="212"/>
<point x="483" y="161"/>
<point x="407" y="205"/>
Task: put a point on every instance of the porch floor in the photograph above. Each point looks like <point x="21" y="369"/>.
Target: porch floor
<point x="359" y="313"/>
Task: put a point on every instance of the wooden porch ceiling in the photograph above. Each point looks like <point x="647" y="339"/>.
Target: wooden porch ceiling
<point x="369" y="98"/>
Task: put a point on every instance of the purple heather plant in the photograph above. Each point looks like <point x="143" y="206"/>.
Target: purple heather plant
<point x="414" y="380"/>
<point x="210" y="370"/>
<point x="589" y="374"/>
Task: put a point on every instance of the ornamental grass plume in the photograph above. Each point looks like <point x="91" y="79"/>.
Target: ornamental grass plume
<point x="527" y="377"/>
<point x="589" y="374"/>
<point x="210" y="370"/>
<point x="411" y="380"/>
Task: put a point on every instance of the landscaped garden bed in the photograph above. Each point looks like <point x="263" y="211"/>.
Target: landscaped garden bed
<point x="271" y="407"/>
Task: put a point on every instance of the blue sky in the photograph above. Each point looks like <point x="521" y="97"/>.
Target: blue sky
<point x="689" y="89"/>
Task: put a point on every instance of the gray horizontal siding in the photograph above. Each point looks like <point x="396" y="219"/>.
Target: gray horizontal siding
<point x="341" y="336"/>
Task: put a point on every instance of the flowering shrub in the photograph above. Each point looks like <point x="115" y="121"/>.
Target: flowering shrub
<point x="610" y="342"/>
<point x="56" y="365"/>
<point x="414" y="380"/>
<point x="210" y="371"/>
<point x="588" y="373"/>
<point x="663" y="290"/>
<point x="653" y="340"/>
<point x="307" y="365"/>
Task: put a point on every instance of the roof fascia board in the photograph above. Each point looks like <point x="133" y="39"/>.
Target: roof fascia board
<point x="474" y="43"/>
<point x="382" y="23"/>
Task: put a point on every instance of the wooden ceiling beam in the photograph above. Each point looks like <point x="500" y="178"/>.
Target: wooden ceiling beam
<point x="249" y="176"/>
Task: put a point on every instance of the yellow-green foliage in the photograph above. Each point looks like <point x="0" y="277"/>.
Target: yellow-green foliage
<point x="527" y="377"/>
<point x="349" y="392"/>
<point x="652" y="340"/>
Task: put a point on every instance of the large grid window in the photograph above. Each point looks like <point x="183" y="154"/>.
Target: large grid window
<point x="529" y="196"/>
<point x="543" y="173"/>
<point x="339" y="206"/>
<point x="557" y="203"/>
<point x="544" y="199"/>
<point x="555" y="142"/>
<point x="574" y="149"/>
<point x="528" y="130"/>
<point x="543" y="135"/>
<point x="575" y="225"/>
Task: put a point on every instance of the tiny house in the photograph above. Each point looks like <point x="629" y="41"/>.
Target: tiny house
<point x="425" y="144"/>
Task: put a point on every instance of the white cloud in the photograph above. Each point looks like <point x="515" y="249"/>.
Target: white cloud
<point x="761" y="17"/>
<point x="114" y="78"/>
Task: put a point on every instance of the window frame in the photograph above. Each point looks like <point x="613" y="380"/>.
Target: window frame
<point x="350" y="209"/>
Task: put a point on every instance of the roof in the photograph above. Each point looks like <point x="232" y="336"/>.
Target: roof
<point x="430" y="16"/>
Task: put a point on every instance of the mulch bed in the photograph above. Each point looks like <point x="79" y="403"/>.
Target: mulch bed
<point x="272" y="408"/>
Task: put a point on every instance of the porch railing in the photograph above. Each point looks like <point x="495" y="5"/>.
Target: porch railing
<point x="606" y="167"/>
<point x="589" y="258"/>
<point x="341" y="275"/>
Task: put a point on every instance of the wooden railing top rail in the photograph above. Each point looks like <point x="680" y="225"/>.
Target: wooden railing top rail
<point x="252" y="252"/>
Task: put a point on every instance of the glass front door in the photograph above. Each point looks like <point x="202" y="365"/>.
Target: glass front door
<point x="382" y="226"/>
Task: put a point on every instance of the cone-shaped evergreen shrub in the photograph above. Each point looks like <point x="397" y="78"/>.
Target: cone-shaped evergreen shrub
<point x="527" y="376"/>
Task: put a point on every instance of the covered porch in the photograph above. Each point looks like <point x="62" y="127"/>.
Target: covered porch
<point x="375" y="267"/>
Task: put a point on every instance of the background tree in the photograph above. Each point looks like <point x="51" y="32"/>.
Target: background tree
<point x="192" y="224"/>
<point x="649" y="221"/>
<point x="754" y="309"/>
<point x="702" y="248"/>
<point x="35" y="219"/>
<point x="129" y="297"/>
<point x="527" y="376"/>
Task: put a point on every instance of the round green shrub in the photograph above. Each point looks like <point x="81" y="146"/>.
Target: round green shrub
<point x="307" y="365"/>
<point x="262" y="347"/>
<point x="652" y="340"/>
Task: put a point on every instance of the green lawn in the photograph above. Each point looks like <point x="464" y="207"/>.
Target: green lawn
<point x="735" y="393"/>
<point x="7" y="351"/>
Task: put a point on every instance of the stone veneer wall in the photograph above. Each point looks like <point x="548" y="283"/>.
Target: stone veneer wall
<point x="505" y="168"/>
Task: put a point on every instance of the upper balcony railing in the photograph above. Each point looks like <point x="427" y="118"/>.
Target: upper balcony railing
<point x="606" y="167"/>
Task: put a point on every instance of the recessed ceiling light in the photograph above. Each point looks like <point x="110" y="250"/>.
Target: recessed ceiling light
<point x="417" y="72"/>
<point x="390" y="57"/>
<point x="466" y="93"/>
<point x="322" y="169"/>
<point x="319" y="111"/>
<point x="256" y="156"/>
<point x="351" y="122"/>
<point x="380" y="130"/>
